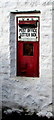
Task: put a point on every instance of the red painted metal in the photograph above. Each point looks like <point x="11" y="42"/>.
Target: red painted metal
<point x="28" y="22"/>
<point x="28" y="65"/>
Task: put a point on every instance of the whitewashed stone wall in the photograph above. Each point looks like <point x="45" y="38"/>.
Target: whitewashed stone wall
<point x="35" y="94"/>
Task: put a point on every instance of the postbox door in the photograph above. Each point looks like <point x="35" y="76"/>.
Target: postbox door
<point x="28" y="59"/>
<point x="28" y="46"/>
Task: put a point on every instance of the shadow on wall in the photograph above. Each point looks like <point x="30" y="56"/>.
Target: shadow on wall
<point x="23" y="116"/>
<point x="12" y="43"/>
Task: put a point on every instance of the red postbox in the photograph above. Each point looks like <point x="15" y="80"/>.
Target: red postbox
<point x="28" y="37"/>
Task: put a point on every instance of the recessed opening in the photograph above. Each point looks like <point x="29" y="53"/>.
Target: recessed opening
<point x="28" y="49"/>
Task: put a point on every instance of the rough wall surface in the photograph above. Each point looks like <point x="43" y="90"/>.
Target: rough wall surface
<point x="33" y="93"/>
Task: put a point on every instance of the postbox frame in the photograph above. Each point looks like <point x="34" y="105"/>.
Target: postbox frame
<point x="28" y="15"/>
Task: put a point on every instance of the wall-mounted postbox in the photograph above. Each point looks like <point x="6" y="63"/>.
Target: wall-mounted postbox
<point x="28" y="37"/>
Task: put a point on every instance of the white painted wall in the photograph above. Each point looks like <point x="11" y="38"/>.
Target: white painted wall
<point x="33" y="93"/>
